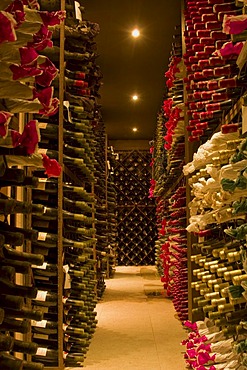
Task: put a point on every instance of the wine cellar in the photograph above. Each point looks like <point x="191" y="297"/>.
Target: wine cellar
<point x="74" y="207"/>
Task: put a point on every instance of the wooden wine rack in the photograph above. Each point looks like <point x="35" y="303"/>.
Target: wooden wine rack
<point x="135" y="211"/>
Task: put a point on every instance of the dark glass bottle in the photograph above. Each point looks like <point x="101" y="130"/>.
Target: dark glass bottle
<point x="6" y="287"/>
<point x="29" y="234"/>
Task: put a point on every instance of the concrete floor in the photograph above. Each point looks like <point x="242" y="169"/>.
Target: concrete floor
<point x="137" y="326"/>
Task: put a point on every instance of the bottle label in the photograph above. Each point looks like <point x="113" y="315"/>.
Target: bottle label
<point x="41" y="351"/>
<point x="39" y="324"/>
<point x="42" y="124"/>
<point x="65" y="327"/>
<point x="66" y="337"/>
<point x="42" y="267"/>
<point x="66" y="268"/>
<point x="42" y="236"/>
<point x="41" y="295"/>
<point x="67" y="281"/>
<point x="65" y="299"/>
<point x="42" y="150"/>
<point x="42" y="182"/>
<point x="65" y="354"/>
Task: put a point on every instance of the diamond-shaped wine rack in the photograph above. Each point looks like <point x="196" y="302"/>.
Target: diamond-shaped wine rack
<point x="136" y="229"/>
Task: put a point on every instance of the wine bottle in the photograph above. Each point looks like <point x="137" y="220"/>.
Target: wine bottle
<point x="47" y="269"/>
<point x="45" y="298"/>
<point x="75" y="163"/>
<point x="28" y="182"/>
<point x="49" y="186"/>
<point x="8" y="362"/>
<point x="9" y="301"/>
<point x="15" y="239"/>
<point x="29" y="234"/>
<point x="44" y="327"/>
<point x="24" y="313"/>
<point x="14" y="175"/>
<point x="19" y="326"/>
<point x="48" y="200"/>
<point x="12" y="206"/>
<point x="48" y="240"/>
<point x="79" y="230"/>
<point x="73" y="331"/>
<point x="22" y="267"/>
<point x="51" y="214"/>
<point x="24" y="347"/>
<point x="27" y="365"/>
<point x="6" y="287"/>
<point x="13" y="254"/>
<point x="6" y="343"/>
<point x="75" y="205"/>
<point x="47" y="356"/>
<point x="8" y="273"/>
<point x="75" y="125"/>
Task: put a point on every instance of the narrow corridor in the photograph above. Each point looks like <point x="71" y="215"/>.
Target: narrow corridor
<point x="137" y="328"/>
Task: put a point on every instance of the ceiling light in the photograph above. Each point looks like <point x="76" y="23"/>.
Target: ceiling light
<point x="134" y="129"/>
<point x="136" y="33"/>
<point x="135" y="97"/>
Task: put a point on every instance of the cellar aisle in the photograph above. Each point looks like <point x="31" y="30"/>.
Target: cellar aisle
<point x="137" y="327"/>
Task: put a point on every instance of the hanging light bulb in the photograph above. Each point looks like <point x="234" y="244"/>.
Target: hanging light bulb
<point x="135" y="97"/>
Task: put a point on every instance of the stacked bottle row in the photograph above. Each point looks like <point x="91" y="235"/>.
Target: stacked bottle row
<point x="218" y="219"/>
<point x="16" y="313"/>
<point x="101" y="205"/>
<point x="168" y="148"/>
<point x="217" y="209"/>
<point x="171" y="247"/>
<point x="213" y="81"/>
<point x="135" y="212"/>
<point x="79" y="233"/>
<point x="112" y="223"/>
<point x="111" y="204"/>
<point x="25" y="88"/>
<point x="167" y="185"/>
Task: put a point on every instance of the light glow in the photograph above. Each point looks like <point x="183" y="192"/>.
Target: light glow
<point x="134" y="129"/>
<point x="135" y="97"/>
<point x="135" y="33"/>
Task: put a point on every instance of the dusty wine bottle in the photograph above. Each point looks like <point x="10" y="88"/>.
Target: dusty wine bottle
<point x="6" y="287"/>
<point x="24" y="313"/>
<point x="28" y="365"/>
<point x="19" y="326"/>
<point x="24" y="347"/>
<point x="12" y="206"/>
<point x="29" y="234"/>
<point x="45" y="298"/>
<point x="14" y="239"/>
<point x="21" y="267"/>
<point x="44" y="327"/>
<point x="51" y="214"/>
<point x="6" y="342"/>
<point x="9" y="301"/>
<point x="8" y="362"/>
<point x="37" y="259"/>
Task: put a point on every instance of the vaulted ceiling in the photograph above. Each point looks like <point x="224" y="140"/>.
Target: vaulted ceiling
<point x="133" y="65"/>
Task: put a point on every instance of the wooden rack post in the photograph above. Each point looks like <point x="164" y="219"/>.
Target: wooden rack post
<point x="60" y="196"/>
